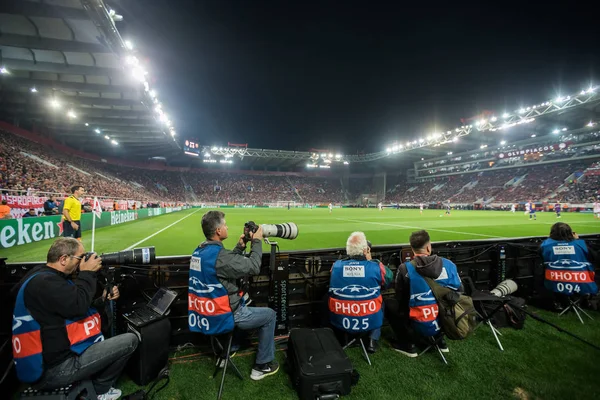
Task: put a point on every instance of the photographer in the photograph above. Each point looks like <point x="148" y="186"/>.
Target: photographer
<point x="220" y="269"/>
<point x="57" y="338"/>
<point x="568" y="265"/>
<point x="413" y="294"/>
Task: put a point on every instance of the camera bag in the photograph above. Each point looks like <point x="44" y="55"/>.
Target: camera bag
<point x="319" y="367"/>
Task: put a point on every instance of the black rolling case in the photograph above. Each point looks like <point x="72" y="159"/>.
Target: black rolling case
<point x="318" y="365"/>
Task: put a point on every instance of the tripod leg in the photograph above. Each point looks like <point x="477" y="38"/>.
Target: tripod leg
<point x="583" y="311"/>
<point x="425" y="351"/>
<point x="364" y="349"/>
<point x="350" y="343"/>
<point x="565" y="310"/>
<point x="225" y="367"/>
<point x="495" y="336"/>
<point x="441" y="354"/>
<point x="578" y="315"/>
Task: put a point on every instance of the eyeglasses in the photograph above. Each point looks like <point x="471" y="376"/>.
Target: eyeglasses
<point x="76" y="257"/>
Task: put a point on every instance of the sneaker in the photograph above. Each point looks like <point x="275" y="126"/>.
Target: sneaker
<point x="221" y="361"/>
<point x="408" y="349"/>
<point x="443" y="346"/>
<point x="112" y="394"/>
<point x="372" y="346"/>
<point x="260" y="371"/>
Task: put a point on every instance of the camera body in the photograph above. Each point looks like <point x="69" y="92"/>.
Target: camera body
<point x="249" y="227"/>
<point x="288" y="230"/>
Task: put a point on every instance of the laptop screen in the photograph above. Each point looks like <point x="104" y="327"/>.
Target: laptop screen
<point x="162" y="300"/>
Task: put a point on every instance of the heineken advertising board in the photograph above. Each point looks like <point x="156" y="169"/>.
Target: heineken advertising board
<point x="20" y="231"/>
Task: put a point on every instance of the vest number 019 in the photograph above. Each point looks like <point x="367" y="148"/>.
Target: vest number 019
<point x="202" y="323"/>
<point x="354" y="324"/>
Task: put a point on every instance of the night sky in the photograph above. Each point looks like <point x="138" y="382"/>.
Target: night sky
<point x="353" y="76"/>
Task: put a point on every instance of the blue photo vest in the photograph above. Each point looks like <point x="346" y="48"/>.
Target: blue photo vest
<point x="423" y="308"/>
<point x="209" y="311"/>
<point x="355" y="296"/>
<point x="27" y="340"/>
<point x="568" y="270"/>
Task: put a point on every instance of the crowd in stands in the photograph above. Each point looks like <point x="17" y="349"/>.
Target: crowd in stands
<point x="539" y="182"/>
<point x="583" y="190"/>
<point x="27" y="167"/>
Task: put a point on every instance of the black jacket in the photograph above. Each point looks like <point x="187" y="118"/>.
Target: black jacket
<point x="51" y="300"/>
<point x="428" y="266"/>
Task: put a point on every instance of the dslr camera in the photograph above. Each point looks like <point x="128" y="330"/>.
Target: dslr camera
<point x="288" y="230"/>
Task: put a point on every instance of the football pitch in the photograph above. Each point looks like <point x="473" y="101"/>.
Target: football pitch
<point x="179" y="233"/>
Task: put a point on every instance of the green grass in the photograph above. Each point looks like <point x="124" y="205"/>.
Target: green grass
<point x="318" y="229"/>
<point x="538" y="361"/>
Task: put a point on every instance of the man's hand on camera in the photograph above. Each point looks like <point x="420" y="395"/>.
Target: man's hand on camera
<point x="258" y="234"/>
<point x="114" y="296"/>
<point x="94" y="263"/>
<point x="241" y="243"/>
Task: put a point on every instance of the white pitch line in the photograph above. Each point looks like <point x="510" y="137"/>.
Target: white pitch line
<point x="163" y="229"/>
<point x="416" y="227"/>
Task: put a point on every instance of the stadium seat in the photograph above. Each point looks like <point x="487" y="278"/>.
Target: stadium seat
<point x="574" y="306"/>
<point x="361" y="339"/>
<point x="223" y="354"/>
<point x="434" y="342"/>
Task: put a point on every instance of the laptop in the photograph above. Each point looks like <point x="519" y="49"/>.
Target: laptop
<point x="154" y="310"/>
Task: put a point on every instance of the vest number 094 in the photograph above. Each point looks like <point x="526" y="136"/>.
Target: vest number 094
<point x="354" y="324"/>
<point x="201" y="323"/>
<point x="567" y="287"/>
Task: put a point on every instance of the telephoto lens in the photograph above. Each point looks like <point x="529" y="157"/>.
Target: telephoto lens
<point x="287" y="230"/>
<point x="505" y="288"/>
<point x="139" y="256"/>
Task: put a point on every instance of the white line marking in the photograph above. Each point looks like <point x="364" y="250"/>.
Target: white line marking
<point x="416" y="227"/>
<point x="163" y="229"/>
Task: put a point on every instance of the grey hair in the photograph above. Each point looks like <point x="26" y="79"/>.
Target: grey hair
<point x="211" y="221"/>
<point x="62" y="246"/>
<point x="356" y="244"/>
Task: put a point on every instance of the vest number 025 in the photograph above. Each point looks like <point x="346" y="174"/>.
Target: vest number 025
<point x="354" y="324"/>
<point x="201" y="323"/>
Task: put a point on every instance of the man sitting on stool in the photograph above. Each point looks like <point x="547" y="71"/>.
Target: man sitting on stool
<point x="216" y="303"/>
<point x="355" y="301"/>
<point x="413" y="313"/>
<point x="57" y="338"/>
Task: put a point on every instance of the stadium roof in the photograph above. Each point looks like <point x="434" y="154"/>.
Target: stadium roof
<point x="65" y="68"/>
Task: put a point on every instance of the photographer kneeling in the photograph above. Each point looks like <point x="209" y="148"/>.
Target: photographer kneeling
<point x="57" y="338"/>
<point x="214" y="272"/>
